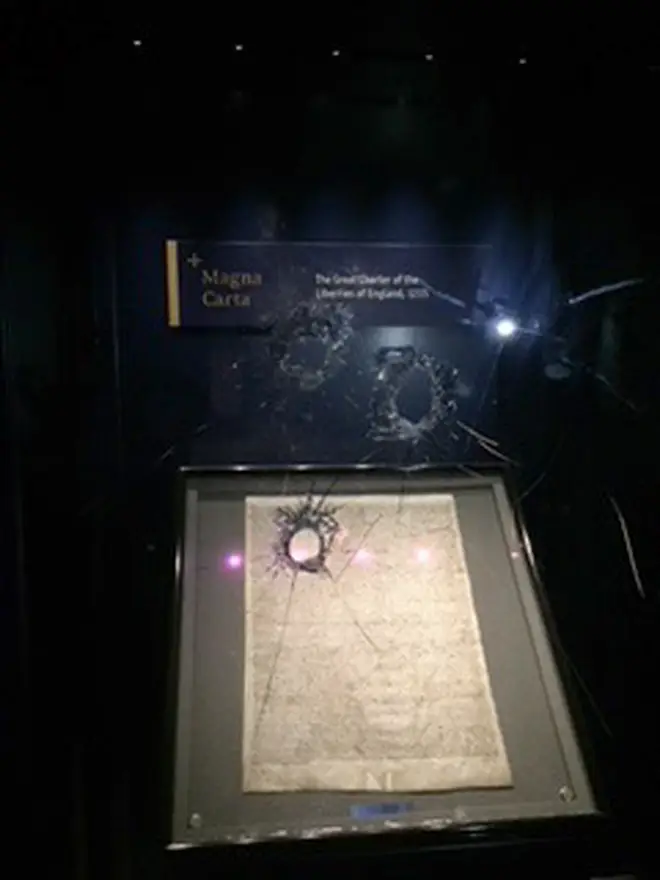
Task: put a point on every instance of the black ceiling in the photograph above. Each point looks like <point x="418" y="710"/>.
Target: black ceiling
<point x="106" y="83"/>
<point x="615" y="34"/>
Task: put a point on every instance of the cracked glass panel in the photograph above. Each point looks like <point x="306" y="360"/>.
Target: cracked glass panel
<point x="364" y="667"/>
<point x="381" y="341"/>
<point x="342" y="353"/>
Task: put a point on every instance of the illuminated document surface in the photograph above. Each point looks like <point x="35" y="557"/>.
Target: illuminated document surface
<point x="361" y="651"/>
<point x="368" y="672"/>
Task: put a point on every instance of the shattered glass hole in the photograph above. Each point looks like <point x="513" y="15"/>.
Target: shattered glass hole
<point x="309" y="344"/>
<point x="309" y="351"/>
<point x="414" y="397"/>
<point x="304" y="545"/>
<point x="304" y="537"/>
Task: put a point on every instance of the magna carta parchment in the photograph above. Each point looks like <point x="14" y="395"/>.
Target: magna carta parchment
<point x="371" y="675"/>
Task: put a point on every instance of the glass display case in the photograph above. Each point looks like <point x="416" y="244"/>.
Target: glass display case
<point x="362" y="651"/>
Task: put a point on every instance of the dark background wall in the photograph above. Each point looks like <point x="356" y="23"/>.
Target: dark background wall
<point x="114" y="147"/>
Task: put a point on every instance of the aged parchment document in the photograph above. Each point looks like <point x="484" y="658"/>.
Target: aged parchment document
<point x="373" y="679"/>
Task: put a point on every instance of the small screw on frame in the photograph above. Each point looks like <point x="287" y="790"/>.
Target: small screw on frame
<point x="566" y="794"/>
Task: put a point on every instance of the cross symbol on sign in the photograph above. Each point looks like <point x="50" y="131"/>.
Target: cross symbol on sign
<point x="194" y="260"/>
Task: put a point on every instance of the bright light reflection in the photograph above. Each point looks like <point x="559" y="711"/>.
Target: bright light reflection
<point x="362" y="556"/>
<point x="234" y="561"/>
<point x="304" y="545"/>
<point x="422" y="555"/>
<point x="505" y="328"/>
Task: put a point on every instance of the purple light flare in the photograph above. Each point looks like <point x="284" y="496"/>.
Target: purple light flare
<point x="233" y="561"/>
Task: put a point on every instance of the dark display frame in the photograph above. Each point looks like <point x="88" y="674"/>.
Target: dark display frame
<point x="571" y="796"/>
